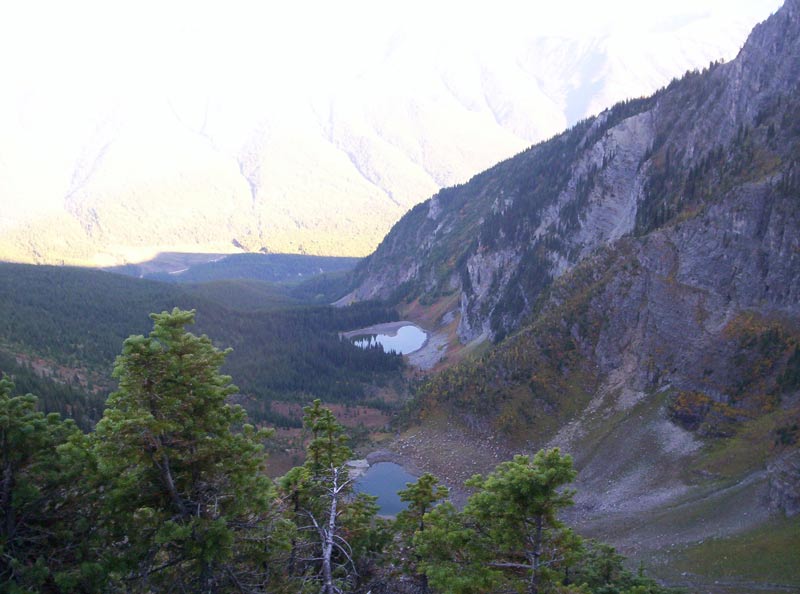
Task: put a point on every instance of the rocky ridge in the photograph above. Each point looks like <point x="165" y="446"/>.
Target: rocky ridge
<point x="640" y="276"/>
<point x="512" y="229"/>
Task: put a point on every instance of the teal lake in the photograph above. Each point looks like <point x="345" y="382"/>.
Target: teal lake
<point x="384" y="480"/>
<point x="406" y="340"/>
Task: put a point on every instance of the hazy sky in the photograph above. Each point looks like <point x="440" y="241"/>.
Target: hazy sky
<point x="79" y="54"/>
<point x="300" y="105"/>
<point x="76" y="73"/>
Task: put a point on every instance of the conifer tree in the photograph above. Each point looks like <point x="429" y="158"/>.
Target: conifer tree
<point x="44" y="526"/>
<point x="508" y="538"/>
<point x="453" y="554"/>
<point x="421" y="497"/>
<point x="498" y="541"/>
<point x="184" y="489"/>
<point x="336" y="528"/>
<point x="517" y="505"/>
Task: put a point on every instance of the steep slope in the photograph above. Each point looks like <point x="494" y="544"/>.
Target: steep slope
<point x="640" y="274"/>
<point x="709" y="140"/>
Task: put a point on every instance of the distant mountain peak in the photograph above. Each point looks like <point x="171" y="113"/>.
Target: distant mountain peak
<point x="321" y="160"/>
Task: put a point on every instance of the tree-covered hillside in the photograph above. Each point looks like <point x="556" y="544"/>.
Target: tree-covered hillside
<point x="273" y="268"/>
<point x="66" y="324"/>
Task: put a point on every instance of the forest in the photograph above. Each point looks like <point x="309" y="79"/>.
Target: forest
<point x="169" y="493"/>
<point x="60" y="329"/>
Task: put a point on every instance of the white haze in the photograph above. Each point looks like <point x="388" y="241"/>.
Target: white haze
<point x="383" y="102"/>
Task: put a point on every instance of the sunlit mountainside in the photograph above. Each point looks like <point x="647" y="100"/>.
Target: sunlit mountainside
<point x="242" y="132"/>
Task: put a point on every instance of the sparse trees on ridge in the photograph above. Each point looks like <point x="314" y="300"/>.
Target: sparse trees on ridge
<point x="517" y="506"/>
<point x="337" y="529"/>
<point x="500" y="536"/>
<point x="421" y="497"/>
<point x="508" y="538"/>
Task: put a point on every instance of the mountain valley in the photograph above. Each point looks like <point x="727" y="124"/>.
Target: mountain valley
<point x="627" y="291"/>
<point x="639" y="276"/>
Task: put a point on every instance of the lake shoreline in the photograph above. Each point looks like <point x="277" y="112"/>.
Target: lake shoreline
<point x="358" y="466"/>
<point x="388" y="335"/>
<point x="388" y="328"/>
<point x="382" y="475"/>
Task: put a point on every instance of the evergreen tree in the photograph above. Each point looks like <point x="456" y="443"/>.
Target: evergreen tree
<point x="421" y="497"/>
<point x="509" y="538"/>
<point x="453" y="555"/>
<point x="599" y="568"/>
<point x="367" y="536"/>
<point x="336" y="529"/>
<point x="499" y="539"/>
<point x="183" y="483"/>
<point x="328" y="447"/>
<point x="44" y="527"/>
<point x="517" y="506"/>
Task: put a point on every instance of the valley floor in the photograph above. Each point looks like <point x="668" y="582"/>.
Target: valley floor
<point x="716" y="537"/>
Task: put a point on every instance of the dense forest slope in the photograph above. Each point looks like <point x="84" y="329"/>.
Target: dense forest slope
<point x="197" y="268"/>
<point x="641" y="275"/>
<point x="61" y="328"/>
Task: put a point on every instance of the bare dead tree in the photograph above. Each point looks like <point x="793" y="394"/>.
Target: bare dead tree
<point x="330" y="544"/>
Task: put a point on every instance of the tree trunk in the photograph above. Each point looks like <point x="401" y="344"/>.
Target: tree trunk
<point x="533" y="585"/>
<point x="169" y="483"/>
<point x="328" y="534"/>
<point x="6" y="497"/>
<point x="293" y="553"/>
<point x="206" y="577"/>
<point x="163" y="467"/>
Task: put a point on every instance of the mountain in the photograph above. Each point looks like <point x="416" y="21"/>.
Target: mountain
<point x="273" y="144"/>
<point x="676" y="159"/>
<point x="639" y="275"/>
<point x="270" y="268"/>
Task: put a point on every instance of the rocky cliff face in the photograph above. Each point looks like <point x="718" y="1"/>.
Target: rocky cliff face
<point x="710" y="163"/>
<point x="784" y="486"/>
<point x="640" y="275"/>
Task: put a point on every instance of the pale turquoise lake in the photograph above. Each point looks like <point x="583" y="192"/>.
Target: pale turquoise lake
<point x="408" y="339"/>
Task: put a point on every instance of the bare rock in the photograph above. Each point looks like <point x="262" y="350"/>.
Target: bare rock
<point x="784" y="483"/>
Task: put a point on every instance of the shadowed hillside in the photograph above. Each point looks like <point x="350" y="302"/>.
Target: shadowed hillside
<point x="64" y="326"/>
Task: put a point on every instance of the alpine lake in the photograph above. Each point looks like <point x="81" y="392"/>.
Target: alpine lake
<point x="385" y="479"/>
<point x="403" y="340"/>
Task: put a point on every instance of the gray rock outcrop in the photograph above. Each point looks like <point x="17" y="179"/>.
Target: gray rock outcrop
<point x="784" y="483"/>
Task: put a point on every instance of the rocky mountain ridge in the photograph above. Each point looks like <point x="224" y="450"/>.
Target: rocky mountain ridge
<point x="726" y="134"/>
<point x="639" y="275"/>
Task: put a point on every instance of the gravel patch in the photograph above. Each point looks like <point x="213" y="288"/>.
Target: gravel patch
<point x="431" y="353"/>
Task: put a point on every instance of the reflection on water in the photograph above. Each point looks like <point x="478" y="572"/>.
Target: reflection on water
<point x="384" y="480"/>
<point x="407" y="340"/>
